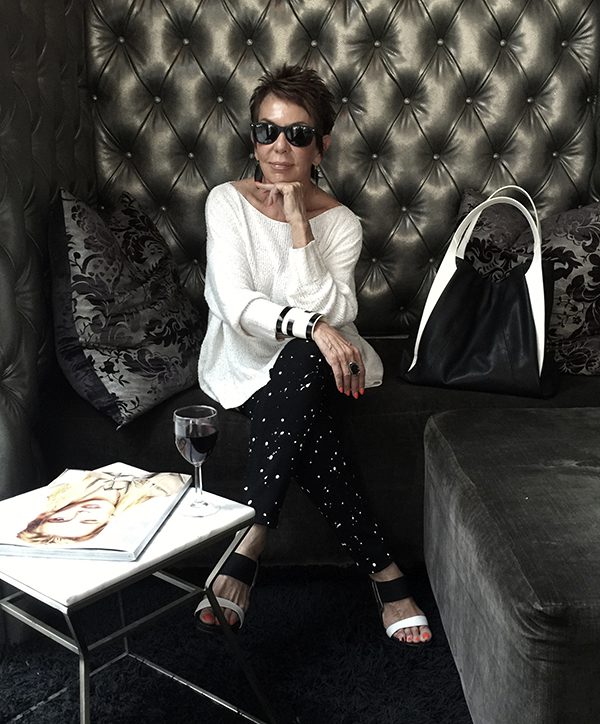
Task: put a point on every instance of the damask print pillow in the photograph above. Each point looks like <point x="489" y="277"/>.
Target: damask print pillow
<point x="571" y="242"/>
<point x="126" y="334"/>
<point x="578" y="356"/>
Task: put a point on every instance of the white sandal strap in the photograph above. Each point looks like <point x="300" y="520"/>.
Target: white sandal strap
<point x="224" y="603"/>
<point x="406" y="623"/>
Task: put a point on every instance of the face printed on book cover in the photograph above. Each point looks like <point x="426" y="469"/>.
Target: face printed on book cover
<point x="80" y="519"/>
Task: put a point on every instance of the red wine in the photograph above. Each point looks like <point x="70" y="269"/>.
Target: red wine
<point x="198" y="446"/>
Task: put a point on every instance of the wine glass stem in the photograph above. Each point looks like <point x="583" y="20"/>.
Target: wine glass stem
<point x="198" y="484"/>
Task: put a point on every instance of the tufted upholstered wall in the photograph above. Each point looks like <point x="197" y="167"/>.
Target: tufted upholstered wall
<point x="45" y="140"/>
<point x="151" y="96"/>
<point x="432" y="97"/>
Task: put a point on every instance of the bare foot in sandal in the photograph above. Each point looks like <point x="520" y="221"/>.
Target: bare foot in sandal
<point x="403" y="619"/>
<point x="234" y="583"/>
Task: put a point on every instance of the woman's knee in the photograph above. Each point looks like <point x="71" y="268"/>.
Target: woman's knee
<point x="299" y="358"/>
<point x="300" y="381"/>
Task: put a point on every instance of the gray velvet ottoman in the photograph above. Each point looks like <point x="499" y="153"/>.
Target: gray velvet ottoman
<point x="512" y="545"/>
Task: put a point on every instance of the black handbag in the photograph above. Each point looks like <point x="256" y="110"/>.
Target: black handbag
<point x="479" y="334"/>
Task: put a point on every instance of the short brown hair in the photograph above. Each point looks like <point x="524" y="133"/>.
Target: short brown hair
<point x="302" y="86"/>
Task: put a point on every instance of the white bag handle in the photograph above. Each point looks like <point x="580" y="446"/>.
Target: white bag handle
<point x="456" y="248"/>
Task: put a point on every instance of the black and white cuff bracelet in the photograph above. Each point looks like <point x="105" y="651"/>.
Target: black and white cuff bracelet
<point x="294" y="322"/>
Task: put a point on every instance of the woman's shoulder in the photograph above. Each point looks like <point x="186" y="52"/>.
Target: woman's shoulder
<point x="337" y="213"/>
<point x="222" y="202"/>
<point x="222" y="192"/>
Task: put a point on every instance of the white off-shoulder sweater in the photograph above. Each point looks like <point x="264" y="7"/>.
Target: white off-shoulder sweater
<point x="253" y="273"/>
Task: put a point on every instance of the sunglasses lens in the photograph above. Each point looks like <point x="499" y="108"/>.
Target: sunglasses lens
<point x="265" y="132"/>
<point x="299" y="135"/>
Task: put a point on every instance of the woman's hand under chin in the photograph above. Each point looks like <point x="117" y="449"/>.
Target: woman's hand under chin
<point x="289" y="199"/>
<point x="339" y="353"/>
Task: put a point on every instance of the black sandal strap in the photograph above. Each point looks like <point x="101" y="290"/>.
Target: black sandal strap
<point x="240" y="567"/>
<point x="394" y="590"/>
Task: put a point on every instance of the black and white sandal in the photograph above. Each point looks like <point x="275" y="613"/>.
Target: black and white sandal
<point x="237" y="566"/>
<point x="396" y="590"/>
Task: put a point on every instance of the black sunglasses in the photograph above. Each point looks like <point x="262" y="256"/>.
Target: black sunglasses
<point x="298" y="134"/>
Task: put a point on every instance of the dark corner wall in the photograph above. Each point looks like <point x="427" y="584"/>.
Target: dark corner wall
<point x="45" y="142"/>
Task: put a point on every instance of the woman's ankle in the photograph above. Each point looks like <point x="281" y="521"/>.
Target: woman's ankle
<point x="254" y="542"/>
<point x="389" y="573"/>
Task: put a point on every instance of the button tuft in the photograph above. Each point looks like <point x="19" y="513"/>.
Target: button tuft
<point x="121" y="39"/>
<point x="377" y="43"/>
<point x="344" y="99"/>
<point x="191" y="154"/>
<point x="185" y="41"/>
<point x="503" y="42"/>
<point x="496" y="156"/>
<point x="407" y="101"/>
<point x="565" y="43"/>
<point x="468" y="100"/>
<point x="436" y="156"/>
<point x="440" y="41"/>
<point x="157" y="99"/>
<point x="249" y="41"/>
<point x="530" y="100"/>
<point x="163" y="208"/>
<point x="374" y="156"/>
<point x="314" y="43"/>
<point x="219" y="99"/>
<point x="128" y="154"/>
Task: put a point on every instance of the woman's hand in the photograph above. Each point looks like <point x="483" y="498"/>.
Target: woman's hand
<point x="339" y="353"/>
<point x="289" y="198"/>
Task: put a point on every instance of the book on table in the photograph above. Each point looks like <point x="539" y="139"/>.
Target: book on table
<point x="110" y="513"/>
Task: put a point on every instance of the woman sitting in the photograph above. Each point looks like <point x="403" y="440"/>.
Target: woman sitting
<point x="281" y="342"/>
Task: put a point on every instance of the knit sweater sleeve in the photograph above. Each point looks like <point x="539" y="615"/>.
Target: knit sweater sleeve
<point x="229" y="288"/>
<point x="322" y="273"/>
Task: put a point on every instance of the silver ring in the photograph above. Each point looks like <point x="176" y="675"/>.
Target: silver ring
<point x="354" y="368"/>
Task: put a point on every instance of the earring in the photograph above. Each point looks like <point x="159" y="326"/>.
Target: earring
<point x="315" y="173"/>
<point x="258" y="174"/>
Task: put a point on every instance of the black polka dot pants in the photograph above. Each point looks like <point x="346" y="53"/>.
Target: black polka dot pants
<point x="293" y="434"/>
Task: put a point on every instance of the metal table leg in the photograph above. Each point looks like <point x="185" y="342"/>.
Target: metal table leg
<point x="84" y="670"/>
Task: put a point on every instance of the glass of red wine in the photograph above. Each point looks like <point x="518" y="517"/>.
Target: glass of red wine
<point x="196" y="432"/>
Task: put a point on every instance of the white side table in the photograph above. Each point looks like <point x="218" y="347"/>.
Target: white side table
<point x="70" y="585"/>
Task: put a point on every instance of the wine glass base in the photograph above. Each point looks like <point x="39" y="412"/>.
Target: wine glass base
<point x="200" y="509"/>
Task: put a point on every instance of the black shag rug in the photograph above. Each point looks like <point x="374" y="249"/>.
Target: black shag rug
<point x="313" y="637"/>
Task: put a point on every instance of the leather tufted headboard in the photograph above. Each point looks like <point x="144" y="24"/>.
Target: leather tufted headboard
<point x="433" y="97"/>
<point x="151" y="96"/>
